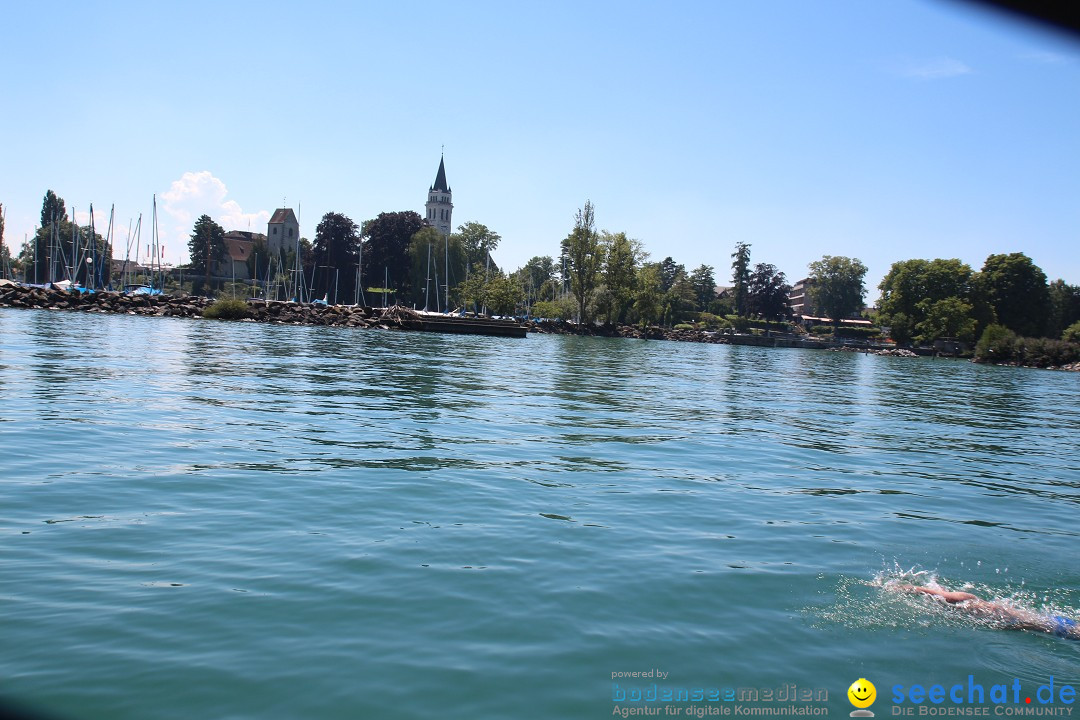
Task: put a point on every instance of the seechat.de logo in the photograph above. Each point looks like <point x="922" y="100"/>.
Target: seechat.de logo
<point x="862" y="695"/>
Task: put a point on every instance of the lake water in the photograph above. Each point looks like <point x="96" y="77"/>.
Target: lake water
<point x="215" y="520"/>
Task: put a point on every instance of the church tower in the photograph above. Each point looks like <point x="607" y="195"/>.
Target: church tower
<point x="438" y="204"/>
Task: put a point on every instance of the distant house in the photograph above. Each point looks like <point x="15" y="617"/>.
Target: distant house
<point x="239" y="244"/>
<point x="723" y="292"/>
<point x="283" y="231"/>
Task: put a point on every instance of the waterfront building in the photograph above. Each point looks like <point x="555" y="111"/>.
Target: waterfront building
<point x="800" y="300"/>
<point x="282" y="231"/>
<point x="439" y="206"/>
<point x="239" y="244"/>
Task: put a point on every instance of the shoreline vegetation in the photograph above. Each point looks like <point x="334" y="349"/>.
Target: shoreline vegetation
<point x="1004" y="348"/>
<point x="600" y="283"/>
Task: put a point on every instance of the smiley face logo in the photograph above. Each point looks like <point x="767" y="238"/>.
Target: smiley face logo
<point x="862" y="694"/>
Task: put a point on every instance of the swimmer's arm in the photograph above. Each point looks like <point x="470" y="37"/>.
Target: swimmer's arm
<point x="949" y="596"/>
<point x="1013" y="618"/>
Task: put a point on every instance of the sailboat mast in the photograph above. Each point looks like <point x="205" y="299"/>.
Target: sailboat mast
<point x="427" y="280"/>
<point x="156" y="262"/>
<point x="153" y="244"/>
<point x="90" y="275"/>
<point x="298" y="277"/>
<point x="109" y="242"/>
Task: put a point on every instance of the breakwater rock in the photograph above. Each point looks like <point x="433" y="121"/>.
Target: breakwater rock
<point x="287" y="313"/>
<point x="23" y="296"/>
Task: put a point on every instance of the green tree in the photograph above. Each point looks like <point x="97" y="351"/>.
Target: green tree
<point x="901" y="327"/>
<point x="539" y="270"/>
<point x="669" y="272"/>
<point x="838" y="286"/>
<point x="996" y="344"/>
<point x="648" y="296"/>
<point x="703" y="281"/>
<point x="562" y="308"/>
<point x="1072" y="333"/>
<point x="740" y="278"/>
<point x="433" y="257"/>
<point x="52" y="208"/>
<point x="386" y="249"/>
<point x="1016" y="289"/>
<point x="912" y="287"/>
<point x="1064" y="307"/>
<point x="678" y="299"/>
<point x="477" y="241"/>
<point x="950" y="317"/>
<point x="538" y="278"/>
<point x="621" y="259"/>
<point x="767" y="292"/>
<point x="471" y="291"/>
<point x="493" y="291"/>
<point x="910" y="282"/>
<point x="206" y="246"/>
<point x="336" y="253"/>
<point x="502" y="295"/>
<point x="48" y="255"/>
<point x="584" y="258"/>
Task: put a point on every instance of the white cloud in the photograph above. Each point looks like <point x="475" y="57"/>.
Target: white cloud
<point x="933" y="69"/>
<point x="200" y="193"/>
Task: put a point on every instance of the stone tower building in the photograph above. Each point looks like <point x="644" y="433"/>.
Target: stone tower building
<point x="282" y="231"/>
<point x="439" y="207"/>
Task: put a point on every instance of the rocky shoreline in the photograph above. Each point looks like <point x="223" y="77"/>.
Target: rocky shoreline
<point x="14" y="295"/>
<point x="287" y="313"/>
<point x="189" y="306"/>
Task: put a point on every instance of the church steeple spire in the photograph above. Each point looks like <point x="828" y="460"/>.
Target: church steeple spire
<point x="439" y="205"/>
<point x="440" y="178"/>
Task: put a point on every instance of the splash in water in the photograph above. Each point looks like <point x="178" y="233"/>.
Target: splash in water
<point x="881" y="603"/>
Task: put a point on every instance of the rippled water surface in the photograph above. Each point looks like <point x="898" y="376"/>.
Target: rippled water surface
<point x="202" y="519"/>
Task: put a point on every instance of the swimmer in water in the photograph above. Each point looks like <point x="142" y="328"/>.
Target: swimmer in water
<point x="1000" y="614"/>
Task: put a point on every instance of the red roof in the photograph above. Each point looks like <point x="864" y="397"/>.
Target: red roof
<point x="283" y="215"/>
<point x="239" y="249"/>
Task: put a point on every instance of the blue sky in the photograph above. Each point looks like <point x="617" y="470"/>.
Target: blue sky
<point x="882" y="130"/>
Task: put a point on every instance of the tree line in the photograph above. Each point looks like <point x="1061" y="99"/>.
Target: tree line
<point x="923" y="300"/>
<point x="608" y="277"/>
<point x="397" y="253"/>
<point x="597" y="276"/>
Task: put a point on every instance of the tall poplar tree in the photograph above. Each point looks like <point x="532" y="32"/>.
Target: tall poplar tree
<point x="584" y="258"/>
<point x="740" y="278"/>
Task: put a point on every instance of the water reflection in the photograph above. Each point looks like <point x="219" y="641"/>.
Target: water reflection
<point x="547" y="407"/>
